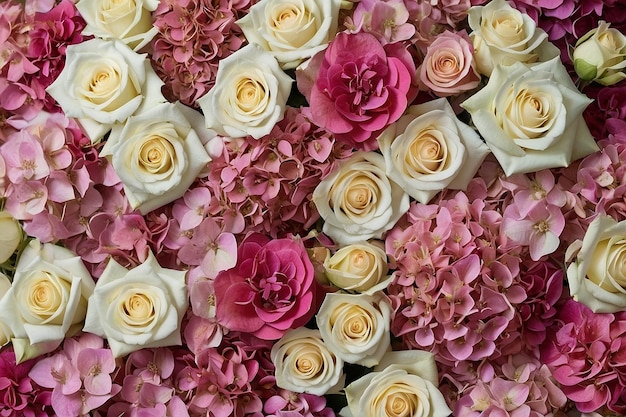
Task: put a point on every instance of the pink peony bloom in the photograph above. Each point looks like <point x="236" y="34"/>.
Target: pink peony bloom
<point x="359" y="88"/>
<point x="271" y="289"/>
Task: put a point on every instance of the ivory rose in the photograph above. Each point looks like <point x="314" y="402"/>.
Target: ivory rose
<point x="305" y="364"/>
<point x="429" y="149"/>
<point x="10" y="235"/>
<point x="358" y="201"/>
<point x="503" y="35"/>
<point x="249" y="96"/>
<point x="357" y="87"/>
<point x="597" y="276"/>
<point x="359" y="267"/>
<point x="138" y="308"/>
<point x="47" y="300"/>
<point x="356" y="326"/>
<point x="404" y="384"/>
<point x="104" y="82"/>
<point x="531" y="117"/>
<point x="449" y="66"/>
<point x="157" y="154"/>
<point x="600" y="55"/>
<point x="291" y="30"/>
<point x="5" y="330"/>
<point x="270" y="290"/>
<point x="129" y="21"/>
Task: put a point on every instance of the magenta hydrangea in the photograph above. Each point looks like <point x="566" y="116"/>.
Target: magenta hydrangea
<point x="19" y="394"/>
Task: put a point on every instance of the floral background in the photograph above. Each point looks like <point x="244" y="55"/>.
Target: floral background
<point x="312" y="208"/>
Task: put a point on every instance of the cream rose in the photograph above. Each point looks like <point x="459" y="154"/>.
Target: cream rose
<point x="291" y="30"/>
<point x="597" y="276"/>
<point x="138" y="308"/>
<point x="503" y="35"/>
<point x="47" y="300"/>
<point x="305" y="364"/>
<point x="360" y="267"/>
<point x="600" y="55"/>
<point x="429" y="149"/>
<point x="356" y="326"/>
<point x="358" y="201"/>
<point x="10" y="235"/>
<point x="531" y="117"/>
<point x="104" y="82"/>
<point x="249" y="96"/>
<point x="404" y="385"/>
<point x="127" y="20"/>
<point x="5" y="329"/>
<point x="157" y="155"/>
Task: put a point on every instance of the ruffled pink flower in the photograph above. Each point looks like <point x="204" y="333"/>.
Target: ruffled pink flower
<point x="359" y="87"/>
<point x="271" y="289"/>
<point x="19" y="394"/>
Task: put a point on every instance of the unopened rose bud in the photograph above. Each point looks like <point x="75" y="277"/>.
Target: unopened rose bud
<point x="600" y="55"/>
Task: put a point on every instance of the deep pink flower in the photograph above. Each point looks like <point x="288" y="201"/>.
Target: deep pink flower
<point x="271" y="289"/>
<point x="360" y="87"/>
<point x="19" y="394"/>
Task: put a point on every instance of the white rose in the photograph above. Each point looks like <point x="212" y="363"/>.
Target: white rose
<point x="358" y="201"/>
<point x="157" y="154"/>
<point x="249" y="96"/>
<point x="403" y="385"/>
<point x="305" y="364"/>
<point x="10" y="235"/>
<point x="5" y="329"/>
<point x="504" y="35"/>
<point x="292" y="30"/>
<point x="597" y="277"/>
<point x="104" y="82"/>
<point x="356" y="326"/>
<point x="138" y="308"/>
<point x="429" y="149"/>
<point x="531" y="117"/>
<point x="360" y="267"/>
<point x="129" y="21"/>
<point x="48" y="298"/>
<point x="600" y="55"/>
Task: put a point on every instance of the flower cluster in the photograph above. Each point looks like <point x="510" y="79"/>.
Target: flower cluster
<point x="308" y="207"/>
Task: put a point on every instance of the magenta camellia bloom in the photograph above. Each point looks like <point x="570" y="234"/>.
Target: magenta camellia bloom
<point x="361" y="87"/>
<point x="270" y="290"/>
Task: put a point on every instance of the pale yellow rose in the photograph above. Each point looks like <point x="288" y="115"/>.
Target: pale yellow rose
<point x="503" y="35"/>
<point x="291" y="30"/>
<point x="127" y="20"/>
<point x="250" y="94"/>
<point x="104" y="82"/>
<point x="356" y="326"/>
<point x="530" y="116"/>
<point x="597" y="276"/>
<point x="5" y="329"/>
<point x="600" y="55"/>
<point x="403" y="385"/>
<point x="48" y="298"/>
<point x="357" y="267"/>
<point x="10" y="235"/>
<point x="429" y="149"/>
<point x="157" y="154"/>
<point x="138" y="308"/>
<point x="358" y="201"/>
<point x="305" y="364"/>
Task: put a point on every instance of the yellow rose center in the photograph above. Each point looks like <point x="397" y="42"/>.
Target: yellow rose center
<point x="528" y="114"/>
<point x="156" y="155"/>
<point x="43" y="298"/>
<point x="293" y="26"/>
<point x="400" y="404"/>
<point x="426" y="153"/>
<point x="103" y="83"/>
<point x="138" y="309"/>
<point x="309" y="362"/>
<point x="250" y="95"/>
<point x="361" y="194"/>
<point x="607" y="266"/>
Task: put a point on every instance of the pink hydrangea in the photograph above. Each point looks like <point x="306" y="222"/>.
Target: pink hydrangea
<point x="271" y="289"/>
<point x="359" y="87"/>
<point x="20" y="395"/>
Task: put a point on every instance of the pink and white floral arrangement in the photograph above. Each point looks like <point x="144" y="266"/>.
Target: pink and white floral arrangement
<point x="400" y="208"/>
